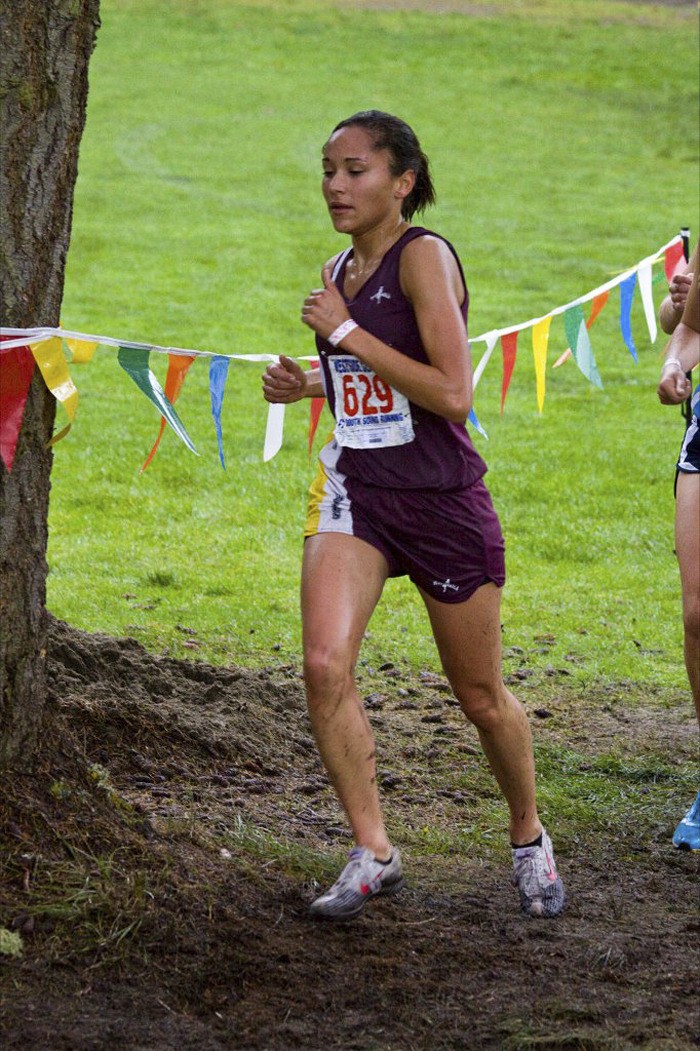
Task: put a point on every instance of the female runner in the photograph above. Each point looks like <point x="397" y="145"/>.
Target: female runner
<point x="399" y="491"/>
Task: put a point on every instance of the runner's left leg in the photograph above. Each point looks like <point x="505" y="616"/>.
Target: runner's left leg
<point x="468" y="637"/>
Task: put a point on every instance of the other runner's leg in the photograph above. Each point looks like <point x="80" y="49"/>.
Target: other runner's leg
<point x="687" y="833"/>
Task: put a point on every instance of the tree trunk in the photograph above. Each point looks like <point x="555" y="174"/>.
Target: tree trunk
<point x="45" y="48"/>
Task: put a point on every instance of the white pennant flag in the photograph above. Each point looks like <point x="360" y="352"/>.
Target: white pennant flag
<point x="644" y="278"/>
<point x="273" y="431"/>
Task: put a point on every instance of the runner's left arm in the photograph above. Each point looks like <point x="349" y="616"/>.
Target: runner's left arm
<point x="430" y="279"/>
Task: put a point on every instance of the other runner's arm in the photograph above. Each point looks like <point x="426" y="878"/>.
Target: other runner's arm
<point x="672" y="307"/>
<point x="682" y="352"/>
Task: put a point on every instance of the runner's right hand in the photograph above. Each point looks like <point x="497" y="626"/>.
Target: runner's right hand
<point x="284" y="382"/>
<point x="678" y="290"/>
<point x="674" y="387"/>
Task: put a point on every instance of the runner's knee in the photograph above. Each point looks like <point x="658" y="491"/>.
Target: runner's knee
<point x="691" y="617"/>
<point x="326" y="676"/>
<point x="483" y="704"/>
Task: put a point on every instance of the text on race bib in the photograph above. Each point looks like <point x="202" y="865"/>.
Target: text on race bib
<point x="369" y="412"/>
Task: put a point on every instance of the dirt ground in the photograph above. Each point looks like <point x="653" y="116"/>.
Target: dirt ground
<point x="137" y="868"/>
<point x="138" y="865"/>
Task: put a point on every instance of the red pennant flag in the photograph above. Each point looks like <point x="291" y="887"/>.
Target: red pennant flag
<point x="178" y="364"/>
<point x="16" y="371"/>
<point x="314" y="415"/>
<point x="314" y="411"/>
<point x="509" y="346"/>
<point x="672" y="259"/>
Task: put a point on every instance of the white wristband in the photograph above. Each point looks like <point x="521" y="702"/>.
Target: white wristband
<point x="338" y="335"/>
<point x="671" y="363"/>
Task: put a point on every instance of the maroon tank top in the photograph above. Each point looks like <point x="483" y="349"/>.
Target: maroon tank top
<point x="441" y="455"/>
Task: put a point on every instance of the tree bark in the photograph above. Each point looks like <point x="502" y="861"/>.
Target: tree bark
<point x="45" y="48"/>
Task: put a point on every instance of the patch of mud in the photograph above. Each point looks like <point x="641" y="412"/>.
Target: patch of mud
<point x="150" y="827"/>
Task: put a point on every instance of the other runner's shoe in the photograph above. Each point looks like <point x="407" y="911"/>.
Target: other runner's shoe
<point x="363" y="877"/>
<point x="535" y="875"/>
<point x="687" y="834"/>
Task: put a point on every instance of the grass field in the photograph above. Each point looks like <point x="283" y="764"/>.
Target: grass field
<point x="563" y="152"/>
<point x="157" y="862"/>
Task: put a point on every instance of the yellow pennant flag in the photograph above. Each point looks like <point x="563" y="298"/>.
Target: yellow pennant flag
<point x="53" y="366"/>
<point x="81" y="350"/>
<point x="540" y="341"/>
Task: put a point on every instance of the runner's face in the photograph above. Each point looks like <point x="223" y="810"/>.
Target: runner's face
<point x="359" y="189"/>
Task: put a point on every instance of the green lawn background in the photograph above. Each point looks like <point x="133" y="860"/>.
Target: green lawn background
<point x="564" y="150"/>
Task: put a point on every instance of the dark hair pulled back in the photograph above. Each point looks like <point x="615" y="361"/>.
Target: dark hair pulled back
<point x="399" y="139"/>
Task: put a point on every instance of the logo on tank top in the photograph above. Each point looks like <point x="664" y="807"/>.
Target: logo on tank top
<point x="380" y="294"/>
<point x="445" y="584"/>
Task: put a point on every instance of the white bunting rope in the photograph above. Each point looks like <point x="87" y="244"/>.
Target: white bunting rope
<point x="20" y="337"/>
<point x="613" y="283"/>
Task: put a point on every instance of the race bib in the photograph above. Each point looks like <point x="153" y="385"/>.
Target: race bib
<point x="369" y="413"/>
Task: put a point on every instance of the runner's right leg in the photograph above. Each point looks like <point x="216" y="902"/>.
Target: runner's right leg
<point x="688" y="553"/>
<point x="342" y="581"/>
<point x="687" y="833"/>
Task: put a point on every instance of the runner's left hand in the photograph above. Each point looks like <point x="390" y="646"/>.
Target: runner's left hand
<point x="324" y="308"/>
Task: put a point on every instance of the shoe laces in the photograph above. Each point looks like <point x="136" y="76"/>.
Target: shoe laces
<point x="353" y="870"/>
<point x="531" y="869"/>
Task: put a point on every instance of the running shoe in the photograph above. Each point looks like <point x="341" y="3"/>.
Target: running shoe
<point x="535" y="876"/>
<point x="362" y="878"/>
<point x="687" y="834"/>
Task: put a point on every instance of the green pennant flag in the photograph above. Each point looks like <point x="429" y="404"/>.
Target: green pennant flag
<point x="134" y="361"/>
<point x="580" y="343"/>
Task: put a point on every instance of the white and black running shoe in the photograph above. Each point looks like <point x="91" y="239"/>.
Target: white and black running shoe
<point x="363" y="877"/>
<point x="535" y="875"/>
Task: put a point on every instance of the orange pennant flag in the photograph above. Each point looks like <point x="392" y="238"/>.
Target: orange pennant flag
<point x="178" y="364"/>
<point x="598" y="304"/>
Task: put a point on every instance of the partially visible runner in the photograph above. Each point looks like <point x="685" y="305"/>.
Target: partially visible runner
<point x="680" y="314"/>
<point x="400" y="491"/>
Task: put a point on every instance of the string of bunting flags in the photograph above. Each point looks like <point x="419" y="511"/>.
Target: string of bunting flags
<point x="21" y="350"/>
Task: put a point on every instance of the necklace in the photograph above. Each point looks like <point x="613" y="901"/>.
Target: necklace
<point x="371" y="264"/>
